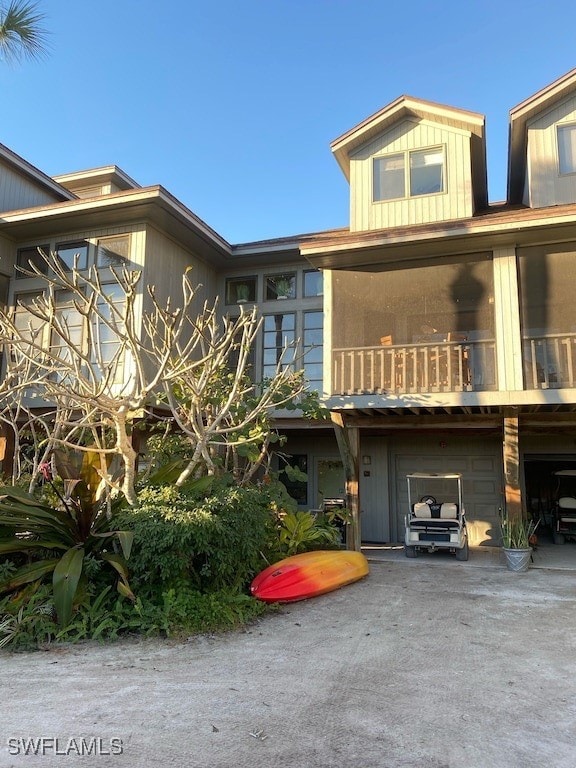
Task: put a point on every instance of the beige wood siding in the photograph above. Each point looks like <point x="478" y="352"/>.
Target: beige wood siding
<point x="507" y="320"/>
<point x="166" y="262"/>
<point x="544" y="185"/>
<point x="455" y="203"/>
<point x="16" y="191"/>
<point x="7" y="256"/>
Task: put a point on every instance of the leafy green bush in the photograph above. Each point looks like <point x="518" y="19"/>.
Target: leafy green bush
<point x="302" y="532"/>
<point x="26" y="624"/>
<point x="56" y="541"/>
<point x="211" y="543"/>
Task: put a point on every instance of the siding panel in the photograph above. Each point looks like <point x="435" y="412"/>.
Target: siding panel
<point x="544" y="185"/>
<point x="17" y="192"/>
<point x="456" y="202"/>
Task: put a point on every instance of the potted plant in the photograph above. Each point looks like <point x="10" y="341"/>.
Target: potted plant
<point x="242" y="293"/>
<point x="518" y="535"/>
<point x="283" y="287"/>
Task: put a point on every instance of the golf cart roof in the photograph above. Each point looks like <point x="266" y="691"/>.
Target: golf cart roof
<point x="439" y="475"/>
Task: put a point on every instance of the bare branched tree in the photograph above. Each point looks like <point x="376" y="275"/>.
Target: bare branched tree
<point x="82" y="363"/>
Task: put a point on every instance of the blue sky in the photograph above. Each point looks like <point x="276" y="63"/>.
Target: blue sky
<point x="232" y="105"/>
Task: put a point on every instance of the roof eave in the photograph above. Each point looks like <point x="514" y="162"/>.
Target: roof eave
<point x="35" y="174"/>
<point x="401" y="107"/>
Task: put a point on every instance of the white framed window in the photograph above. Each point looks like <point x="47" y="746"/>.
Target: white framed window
<point x="566" y="136"/>
<point x="389" y="177"/>
<point x="408" y="174"/>
<point x="426" y="172"/>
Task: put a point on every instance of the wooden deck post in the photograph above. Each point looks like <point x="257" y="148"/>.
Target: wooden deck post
<point x="348" y="439"/>
<point x="511" y="455"/>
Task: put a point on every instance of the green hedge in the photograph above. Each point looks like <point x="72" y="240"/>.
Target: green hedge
<point x="211" y="543"/>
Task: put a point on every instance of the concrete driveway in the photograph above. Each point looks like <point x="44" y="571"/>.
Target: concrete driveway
<point x="427" y="663"/>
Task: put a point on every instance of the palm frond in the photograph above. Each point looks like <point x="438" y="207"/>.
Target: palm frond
<point x="22" y="34"/>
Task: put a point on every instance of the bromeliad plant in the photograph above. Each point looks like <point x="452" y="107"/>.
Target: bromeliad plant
<point x="57" y="539"/>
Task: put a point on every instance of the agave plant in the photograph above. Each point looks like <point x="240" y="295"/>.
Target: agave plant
<point x="56" y="539"/>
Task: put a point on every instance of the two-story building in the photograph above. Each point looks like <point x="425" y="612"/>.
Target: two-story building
<point x="438" y="327"/>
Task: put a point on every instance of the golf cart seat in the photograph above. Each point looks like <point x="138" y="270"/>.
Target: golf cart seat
<point x="444" y="511"/>
<point x="567" y="509"/>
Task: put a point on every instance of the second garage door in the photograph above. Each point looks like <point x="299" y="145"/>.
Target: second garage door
<point x="480" y="463"/>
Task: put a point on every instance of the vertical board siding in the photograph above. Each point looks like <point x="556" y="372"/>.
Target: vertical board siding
<point x="507" y="320"/>
<point x="456" y="203"/>
<point x="16" y="191"/>
<point x="166" y="262"/>
<point x="7" y="256"/>
<point x="544" y="185"/>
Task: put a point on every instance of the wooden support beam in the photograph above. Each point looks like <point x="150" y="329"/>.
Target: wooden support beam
<point x="511" y="456"/>
<point x="348" y="439"/>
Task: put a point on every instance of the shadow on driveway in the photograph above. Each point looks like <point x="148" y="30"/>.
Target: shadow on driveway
<point x="420" y="664"/>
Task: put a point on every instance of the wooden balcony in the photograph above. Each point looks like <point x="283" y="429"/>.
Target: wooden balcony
<point x="549" y="361"/>
<point x="429" y="367"/>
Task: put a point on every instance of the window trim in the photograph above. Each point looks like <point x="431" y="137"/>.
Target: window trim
<point x="45" y="247"/>
<point x="70" y="245"/>
<point x="318" y="272"/>
<point x="560" y="127"/>
<point x="251" y="281"/>
<point x="406" y="153"/>
<point x="270" y="281"/>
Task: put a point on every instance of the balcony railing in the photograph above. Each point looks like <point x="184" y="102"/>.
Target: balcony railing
<point x="437" y="367"/>
<point x="549" y="361"/>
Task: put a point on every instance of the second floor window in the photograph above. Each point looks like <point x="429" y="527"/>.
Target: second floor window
<point x="408" y="174"/>
<point x="281" y="286"/>
<point x="313" y="283"/>
<point x="32" y="256"/>
<point x="71" y="253"/>
<point x="567" y="148"/>
<point x="313" y="349"/>
<point x="279" y="342"/>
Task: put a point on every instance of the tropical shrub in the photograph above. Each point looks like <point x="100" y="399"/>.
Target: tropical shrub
<point x="209" y="543"/>
<point x="303" y="531"/>
<point x="59" y="541"/>
<point x="28" y="623"/>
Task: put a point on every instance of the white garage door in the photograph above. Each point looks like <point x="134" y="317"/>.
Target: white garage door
<point x="479" y="462"/>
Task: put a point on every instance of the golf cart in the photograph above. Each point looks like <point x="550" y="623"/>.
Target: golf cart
<point x="564" y="511"/>
<point x="432" y="523"/>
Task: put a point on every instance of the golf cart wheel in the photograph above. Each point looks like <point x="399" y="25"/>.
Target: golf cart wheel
<point x="462" y="554"/>
<point x="558" y="538"/>
<point x="410" y="551"/>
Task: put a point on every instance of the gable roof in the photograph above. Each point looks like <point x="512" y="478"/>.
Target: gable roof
<point x="107" y="174"/>
<point x="31" y="172"/>
<point x="400" y="109"/>
<point x="520" y="115"/>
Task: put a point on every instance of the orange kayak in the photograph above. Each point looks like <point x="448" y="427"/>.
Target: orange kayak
<point x="308" y="575"/>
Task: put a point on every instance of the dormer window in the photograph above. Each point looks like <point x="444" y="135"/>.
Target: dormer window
<point x="566" y="148"/>
<point x="408" y="174"/>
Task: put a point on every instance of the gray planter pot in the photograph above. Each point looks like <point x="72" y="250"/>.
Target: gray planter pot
<point x="518" y="559"/>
